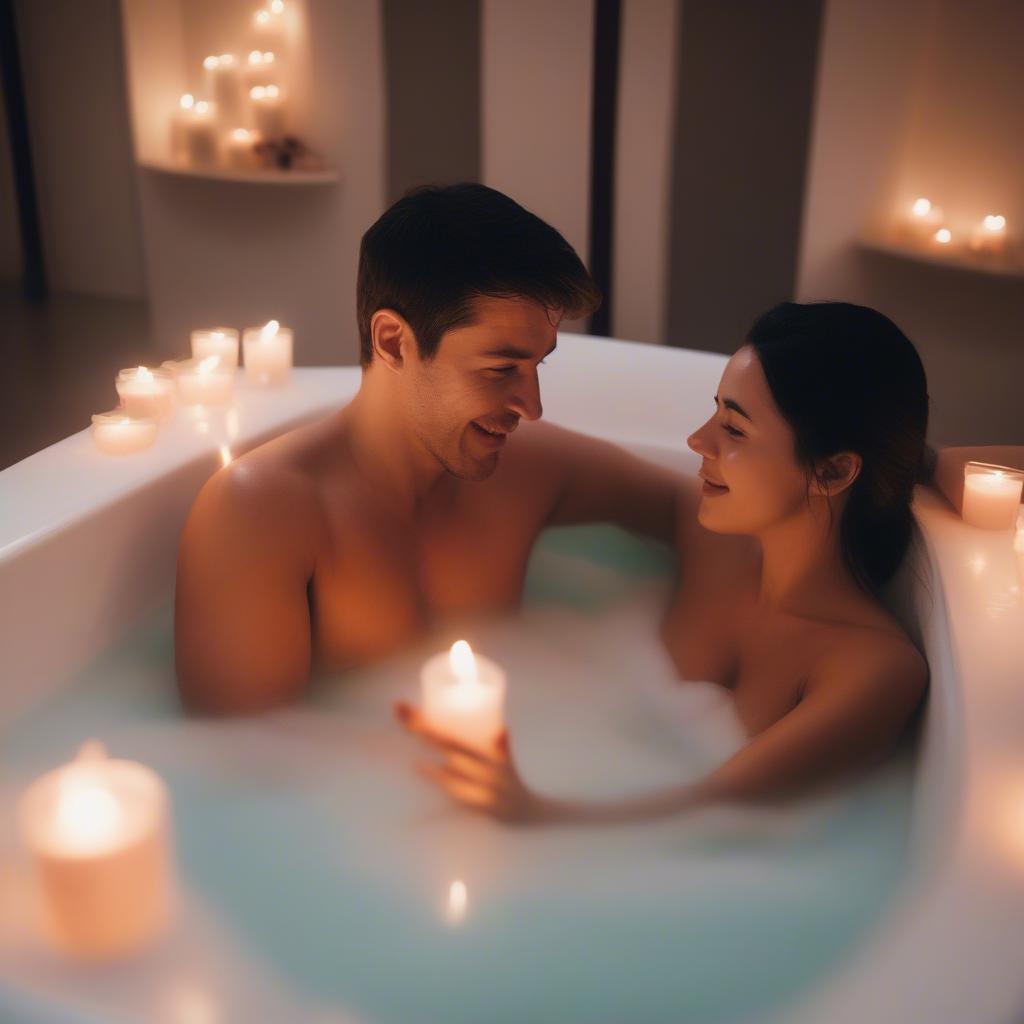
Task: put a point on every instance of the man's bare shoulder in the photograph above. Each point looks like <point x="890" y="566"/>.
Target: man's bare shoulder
<point x="275" y="483"/>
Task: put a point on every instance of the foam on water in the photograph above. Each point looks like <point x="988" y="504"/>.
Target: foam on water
<point x="316" y="865"/>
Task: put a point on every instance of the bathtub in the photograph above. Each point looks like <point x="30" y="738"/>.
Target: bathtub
<point x="87" y="552"/>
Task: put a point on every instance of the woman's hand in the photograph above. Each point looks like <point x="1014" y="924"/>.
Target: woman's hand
<point x="486" y="780"/>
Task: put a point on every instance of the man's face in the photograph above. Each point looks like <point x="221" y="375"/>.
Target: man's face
<point x="481" y="381"/>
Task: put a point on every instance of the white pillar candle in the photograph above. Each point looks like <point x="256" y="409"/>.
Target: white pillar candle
<point x="240" y="150"/>
<point x="989" y="237"/>
<point x="464" y="695"/>
<point x="145" y="392"/>
<point x="224" y="86"/>
<point x="97" y="830"/>
<point x="194" y="140"/>
<point x="268" y="115"/>
<point x="117" y="433"/>
<point x="991" y="496"/>
<point x="262" y="68"/>
<point x="268" y="353"/>
<point x="205" y="382"/>
<point x="221" y="342"/>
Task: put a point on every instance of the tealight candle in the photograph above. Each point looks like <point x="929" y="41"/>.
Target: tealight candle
<point x="991" y="496"/>
<point x="117" y="433"/>
<point x="268" y="26"/>
<point x="942" y="240"/>
<point x="205" y="382"/>
<point x="268" y="111"/>
<point x="262" y="68"/>
<point x="923" y="220"/>
<point x="224" y="84"/>
<point x="464" y="695"/>
<point x="221" y="342"/>
<point x="268" y="353"/>
<point x="194" y="133"/>
<point x="147" y="393"/>
<point x="98" y="835"/>
<point x="989" y="237"/>
<point x="240" y="149"/>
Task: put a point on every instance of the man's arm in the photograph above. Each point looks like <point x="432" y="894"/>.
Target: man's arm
<point x="241" y="617"/>
<point x="601" y="482"/>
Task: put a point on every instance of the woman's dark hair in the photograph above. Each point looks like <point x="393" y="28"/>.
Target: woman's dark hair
<point x="846" y="378"/>
<point x="438" y="248"/>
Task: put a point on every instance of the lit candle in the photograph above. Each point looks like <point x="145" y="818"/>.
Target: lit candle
<point x="268" y="111"/>
<point x="224" y="84"/>
<point x="221" y="342"/>
<point x="240" y="149"/>
<point x="147" y="393"/>
<point x="117" y="433"/>
<point x="942" y="240"/>
<point x="464" y="695"/>
<point x="98" y="835"/>
<point x="991" y="496"/>
<point x="262" y="68"/>
<point x="268" y="353"/>
<point x="989" y="237"/>
<point x="923" y="220"/>
<point x="194" y="133"/>
<point x="268" y="26"/>
<point x="205" y="382"/>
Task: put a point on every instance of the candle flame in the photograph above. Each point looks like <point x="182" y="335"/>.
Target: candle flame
<point x="922" y="207"/>
<point x="262" y="17"/>
<point x="257" y="92"/>
<point x="239" y="135"/>
<point x="187" y="101"/>
<point x="277" y="6"/>
<point x="202" y="107"/>
<point x="87" y="814"/>
<point x="225" y="455"/>
<point x="269" y="330"/>
<point x="211" y="62"/>
<point x="209" y="364"/>
<point x="458" y="899"/>
<point x="463" y="662"/>
<point x="273" y="92"/>
<point x="255" y="57"/>
<point x="143" y="373"/>
<point x="995" y="222"/>
<point x="943" y="236"/>
<point x="227" y="58"/>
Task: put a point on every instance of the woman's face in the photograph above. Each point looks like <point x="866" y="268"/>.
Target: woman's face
<point x="752" y="480"/>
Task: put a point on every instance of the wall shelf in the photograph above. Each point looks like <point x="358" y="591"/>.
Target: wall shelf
<point x="954" y="261"/>
<point x="326" y="176"/>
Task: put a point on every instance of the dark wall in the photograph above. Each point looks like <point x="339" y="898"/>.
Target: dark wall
<point x="432" y="64"/>
<point x="745" y="89"/>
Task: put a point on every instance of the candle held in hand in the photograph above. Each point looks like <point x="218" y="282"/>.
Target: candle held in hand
<point x="464" y="696"/>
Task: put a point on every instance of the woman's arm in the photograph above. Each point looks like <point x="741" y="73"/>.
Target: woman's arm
<point x="853" y="712"/>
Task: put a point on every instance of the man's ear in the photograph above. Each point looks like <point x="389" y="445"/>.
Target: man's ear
<point x="391" y="336"/>
<point x="837" y="473"/>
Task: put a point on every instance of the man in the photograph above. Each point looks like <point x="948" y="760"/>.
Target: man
<point x="340" y="541"/>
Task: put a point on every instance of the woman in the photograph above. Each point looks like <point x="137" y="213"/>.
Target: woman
<point x="801" y="513"/>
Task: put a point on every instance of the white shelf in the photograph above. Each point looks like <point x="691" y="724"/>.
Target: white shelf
<point x="956" y="260"/>
<point x="326" y="176"/>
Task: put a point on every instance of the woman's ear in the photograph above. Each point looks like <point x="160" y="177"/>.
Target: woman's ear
<point x="391" y="336"/>
<point x="837" y="473"/>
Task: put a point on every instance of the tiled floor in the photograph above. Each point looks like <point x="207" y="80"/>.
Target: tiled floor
<point x="58" y="361"/>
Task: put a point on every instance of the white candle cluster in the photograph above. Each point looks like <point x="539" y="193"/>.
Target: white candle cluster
<point x="242" y="104"/>
<point x="149" y="397"/>
<point x="926" y="227"/>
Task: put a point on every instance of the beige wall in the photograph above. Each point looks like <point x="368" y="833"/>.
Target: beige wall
<point x="924" y="97"/>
